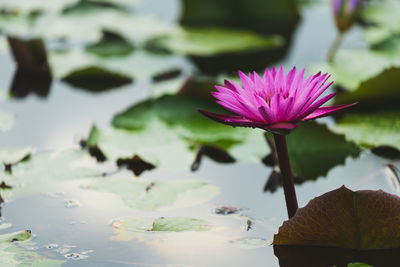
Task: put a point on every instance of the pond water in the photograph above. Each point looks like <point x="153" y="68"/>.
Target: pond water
<point x="80" y="217"/>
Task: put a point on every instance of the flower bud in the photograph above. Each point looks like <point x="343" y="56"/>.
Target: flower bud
<point x="345" y="13"/>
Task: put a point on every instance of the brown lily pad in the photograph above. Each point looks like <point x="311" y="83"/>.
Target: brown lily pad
<point x="362" y="220"/>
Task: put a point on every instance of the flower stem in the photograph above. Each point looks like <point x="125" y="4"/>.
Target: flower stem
<point x="287" y="175"/>
<point x="335" y="47"/>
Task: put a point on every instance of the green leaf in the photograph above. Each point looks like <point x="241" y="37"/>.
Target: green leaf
<point x="212" y="41"/>
<point x="14" y="254"/>
<point x="180" y="225"/>
<point x="384" y="15"/>
<point x="363" y="220"/>
<point x="371" y="130"/>
<point x="381" y="91"/>
<point x="267" y="17"/>
<point x="127" y="228"/>
<point x="111" y="44"/>
<point x="96" y="79"/>
<point x="46" y="171"/>
<point x="351" y="68"/>
<point x="85" y="6"/>
<point x="155" y="195"/>
<point x="314" y="150"/>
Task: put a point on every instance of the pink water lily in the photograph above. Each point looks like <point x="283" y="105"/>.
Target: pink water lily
<point x="275" y="102"/>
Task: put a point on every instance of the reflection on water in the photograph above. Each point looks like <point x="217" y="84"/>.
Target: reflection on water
<point x="89" y="226"/>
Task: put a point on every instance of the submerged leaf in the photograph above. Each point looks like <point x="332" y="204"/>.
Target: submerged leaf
<point x="363" y="220"/>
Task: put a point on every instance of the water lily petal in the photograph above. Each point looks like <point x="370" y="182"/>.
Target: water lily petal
<point x="231" y="120"/>
<point x="325" y="111"/>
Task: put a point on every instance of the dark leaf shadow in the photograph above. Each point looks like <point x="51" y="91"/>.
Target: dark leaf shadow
<point x="306" y="256"/>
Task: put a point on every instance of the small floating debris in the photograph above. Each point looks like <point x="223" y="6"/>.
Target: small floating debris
<point x="52" y="246"/>
<point x="227" y="210"/>
<point x="64" y="249"/>
<point x="75" y="256"/>
<point x="72" y="203"/>
<point x="250" y="224"/>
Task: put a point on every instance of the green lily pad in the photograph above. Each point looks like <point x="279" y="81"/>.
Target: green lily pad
<point x="127" y="228"/>
<point x="259" y="16"/>
<point x="212" y="41"/>
<point x="362" y="220"/>
<point x="351" y="68"/>
<point x="96" y="79"/>
<point x="384" y="15"/>
<point x="13" y="155"/>
<point x="44" y="172"/>
<point x="111" y="44"/>
<point x="156" y="195"/>
<point x="314" y="150"/>
<point x="371" y="130"/>
<point x="84" y="6"/>
<point x="381" y="91"/>
<point x="250" y="243"/>
<point x="14" y="254"/>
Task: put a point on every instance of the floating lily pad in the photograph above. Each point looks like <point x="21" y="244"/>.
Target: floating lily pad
<point x="156" y="195"/>
<point x="384" y="15"/>
<point x="352" y="67"/>
<point x="381" y="91"/>
<point x="250" y="243"/>
<point x="363" y="220"/>
<point x="212" y="41"/>
<point x="128" y="227"/>
<point x="85" y="6"/>
<point x="44" y="172"/>
<point x="13" y="253"/>
<point x="96" y="79"/>
<point x="314" y="150"/>
<point x="371" y="130"/>
<point x="214" y="50"/>
<point x="259" y="16"/>
<point x="111" y="44"/>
